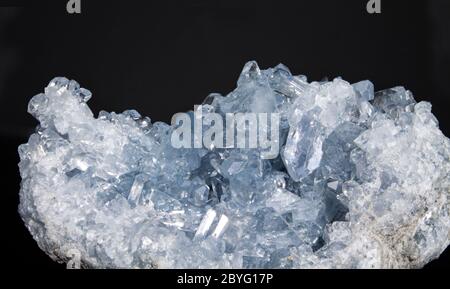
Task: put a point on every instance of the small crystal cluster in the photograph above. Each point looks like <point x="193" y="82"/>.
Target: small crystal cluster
<point x="361" y="181"/>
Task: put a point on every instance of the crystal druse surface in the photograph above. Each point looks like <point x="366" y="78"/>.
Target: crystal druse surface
<point x="361" y="181"/>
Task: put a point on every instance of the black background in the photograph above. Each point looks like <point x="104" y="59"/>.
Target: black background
<point x="162" y="57"/>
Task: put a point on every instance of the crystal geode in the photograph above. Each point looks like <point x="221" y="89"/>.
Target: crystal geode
<point x="361" y="181"/>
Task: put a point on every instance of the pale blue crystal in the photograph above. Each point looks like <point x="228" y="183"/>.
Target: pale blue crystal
<point x="361" y="180"/>
<point x="365" y="89"/>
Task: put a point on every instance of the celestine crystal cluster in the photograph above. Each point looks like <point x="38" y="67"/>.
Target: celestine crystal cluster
<point x="358" y="180"/>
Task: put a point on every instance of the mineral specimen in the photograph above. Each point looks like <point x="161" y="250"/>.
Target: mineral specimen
<point x="361" y="181"/>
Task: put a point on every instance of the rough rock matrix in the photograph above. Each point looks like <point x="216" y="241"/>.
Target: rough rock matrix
<point x="361" y="181"/>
